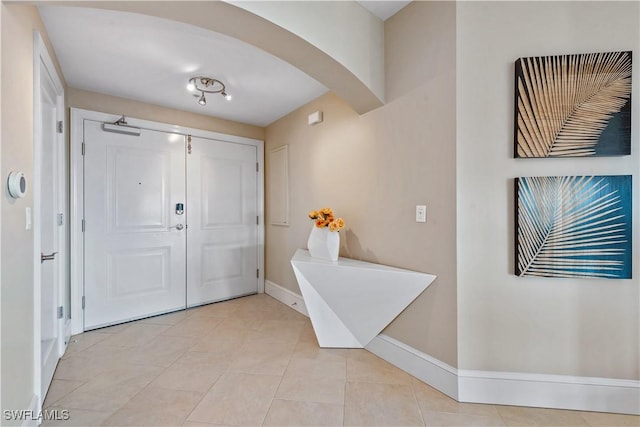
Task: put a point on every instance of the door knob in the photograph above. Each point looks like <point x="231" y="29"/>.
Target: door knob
<point x="49" y="257"/>
<point x="178" y="227"/>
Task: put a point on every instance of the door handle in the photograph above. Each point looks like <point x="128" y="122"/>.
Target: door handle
<point x="178" y="227"/>
<point x="49" y="257"/>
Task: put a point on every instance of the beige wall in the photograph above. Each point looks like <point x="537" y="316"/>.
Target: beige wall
<point x="506" y="323"/>
<point x="18" y="23"/>
<point x="373" y="169"/>
<point x="114" y="105"/>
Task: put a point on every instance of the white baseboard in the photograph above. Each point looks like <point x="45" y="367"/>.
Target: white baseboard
<point x="550" y="391"/>
<point x="499" y="388"/>
<point x="285" y="296"/>
<point x="512" y="388"/>
<point x="428" y="369"/>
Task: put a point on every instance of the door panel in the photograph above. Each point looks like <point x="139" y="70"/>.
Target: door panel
<point x="137" y="189"/>
<point x="222" y="208"/>
<point x="221" y="184"/>
<point x="134" y="256"/>
<point x="138" y="272"/>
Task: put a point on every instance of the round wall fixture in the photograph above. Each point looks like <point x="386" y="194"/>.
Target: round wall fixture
<point x="17" y="185"/>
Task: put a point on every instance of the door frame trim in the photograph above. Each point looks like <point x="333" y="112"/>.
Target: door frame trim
<point x="78" y="116"/>
<point x="42" y="57"/>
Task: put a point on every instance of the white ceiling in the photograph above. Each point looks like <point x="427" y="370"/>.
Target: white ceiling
<point x="384" y="9"/>
<point x="150" y="59"/>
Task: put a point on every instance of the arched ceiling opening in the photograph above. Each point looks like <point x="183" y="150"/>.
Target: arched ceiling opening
<point x="269" y="70"/>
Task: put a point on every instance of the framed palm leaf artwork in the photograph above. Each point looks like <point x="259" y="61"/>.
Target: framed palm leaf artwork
<point x="573" y="105"/>
<point x="573" y="226"/>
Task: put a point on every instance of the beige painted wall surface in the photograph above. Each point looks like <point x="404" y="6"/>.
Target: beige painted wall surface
<point x="18" y="23"/>
<point x="373" y="169"/>
<point x="506" y="323"/>
<point x="114" y="105"/>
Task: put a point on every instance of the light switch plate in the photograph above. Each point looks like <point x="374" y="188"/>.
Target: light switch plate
<point x="421" y="213"/>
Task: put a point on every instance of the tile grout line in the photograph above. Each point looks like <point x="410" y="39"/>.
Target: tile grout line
<point x="63" y="396"/>
<point x="224" y="371"/>
<point x="186" y="418"/>
<point x="132" y="397"/>
<point x="415" y="398"/>
<point x="281" y="378"/>
<point x="164" y="369"/>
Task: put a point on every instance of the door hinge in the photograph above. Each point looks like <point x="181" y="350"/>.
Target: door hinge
<point x="188" y="144"/>
<point x="83" y="148"/>
<point x="60" y="219"/>
<point x="257" y="167"/>
<point x="83" y="225"/>
<point x="83" y="302"/>
<point x="258" y="273"/>
<point x="60" y="312"/>
<point x="60" y="126"/>
<point x="257" y="220"/>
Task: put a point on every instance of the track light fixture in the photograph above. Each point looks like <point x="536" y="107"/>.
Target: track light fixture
<point x="206" y="85"/>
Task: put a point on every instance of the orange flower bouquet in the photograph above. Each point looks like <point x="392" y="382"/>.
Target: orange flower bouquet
<point x="325" y="218"/>
<point x="323" y="243"/>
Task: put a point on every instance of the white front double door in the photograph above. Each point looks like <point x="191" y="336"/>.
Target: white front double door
<point x="166" y="229"/>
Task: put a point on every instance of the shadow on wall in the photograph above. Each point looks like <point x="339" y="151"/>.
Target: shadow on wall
<point x="350" y="245"/>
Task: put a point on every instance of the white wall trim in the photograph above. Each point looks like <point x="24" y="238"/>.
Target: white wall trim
<point x="76" y="214"/>
<point x="285" y="296"/>
<point x="428" y="369"/>
<point x="42" y="63"/>
<point x="550" y="391"/>
<point x="512" y="388"/>
<point x="499" y="388"/>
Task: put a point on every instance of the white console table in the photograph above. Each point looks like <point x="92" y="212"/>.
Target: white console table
<point x="349" y="301"/>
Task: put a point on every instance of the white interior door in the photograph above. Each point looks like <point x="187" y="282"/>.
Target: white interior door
<point x="49" y="236"/>
<point x="135" y="244"/>
<point x="222" y="216"/>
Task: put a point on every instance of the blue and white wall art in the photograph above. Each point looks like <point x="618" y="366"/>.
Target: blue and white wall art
<point x="573" y="226"/>
<point x="573" y="105"/>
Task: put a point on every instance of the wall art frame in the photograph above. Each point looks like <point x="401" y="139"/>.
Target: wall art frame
<point x="574" y="226"/>
<point x="573" y="105"/>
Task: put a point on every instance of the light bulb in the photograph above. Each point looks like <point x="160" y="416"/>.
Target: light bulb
<point x="228" y="97"/>
<point x="202" y="100"/>
<point x="191" y="87"/>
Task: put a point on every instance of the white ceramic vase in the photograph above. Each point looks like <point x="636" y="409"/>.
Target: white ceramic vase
<point x="323" y="243"/>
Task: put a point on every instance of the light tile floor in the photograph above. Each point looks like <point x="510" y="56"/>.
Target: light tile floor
<point x="254" y="361"/>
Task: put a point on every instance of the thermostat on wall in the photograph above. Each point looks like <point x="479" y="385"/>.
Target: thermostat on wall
<point x="17" y="185"/>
